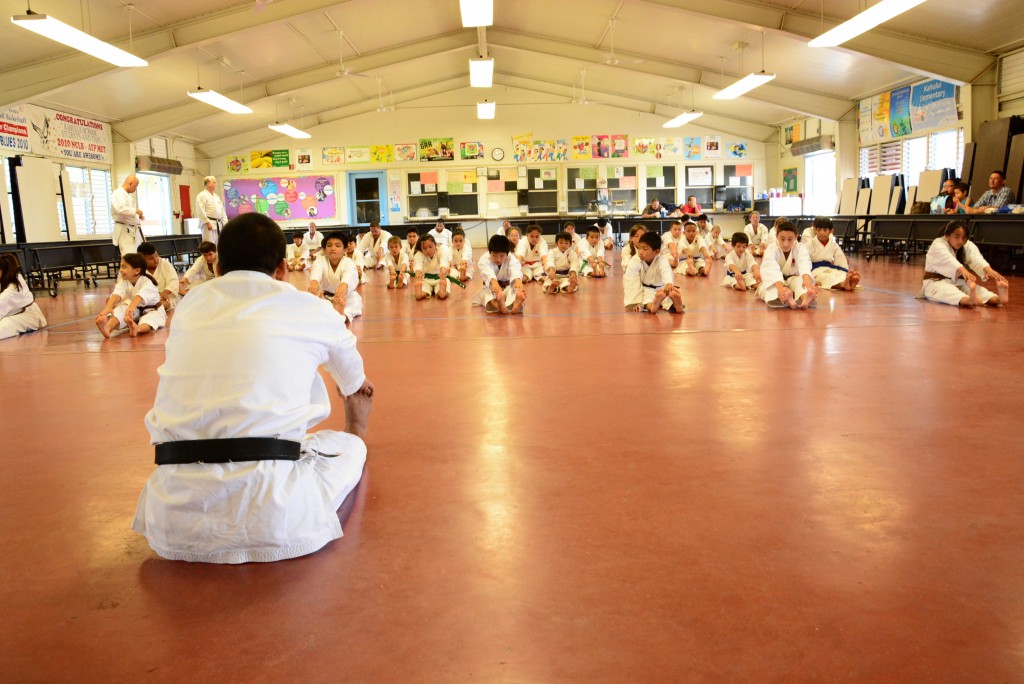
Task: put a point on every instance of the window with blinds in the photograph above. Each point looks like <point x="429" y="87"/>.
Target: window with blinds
<point x="90" y="198"/>
<point x="869" y="162"/>
<point x="911" y="156"/>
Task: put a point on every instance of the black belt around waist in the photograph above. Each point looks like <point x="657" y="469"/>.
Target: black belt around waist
<point x="504" y="283"/>
<point x="234" y="450"/>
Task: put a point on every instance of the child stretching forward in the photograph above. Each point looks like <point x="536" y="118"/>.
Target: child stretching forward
<point x="502" y="288"/>
<point x="297" y="254"/>
<point x="563" y="266"/>
<point x="592" y="254"/>
<point x="532" y="254"/>
<point x="333" y="276"/>
<point x="135" y="303"/>
<point x="462" y="256"/>
<point x="430" y="268"/>
<point x="948" y="266"/>
<point x="741" y="271"/>
<point x="647" y="284"/>
<point x="204" y="268"/>
<point x="397" y="263"/>
<point x="786" y="272"/>
<point x="694" y="259"/>
<point x="829" y="266"/>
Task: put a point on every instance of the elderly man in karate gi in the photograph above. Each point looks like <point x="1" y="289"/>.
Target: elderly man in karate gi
<point x="210" y="210"/>
<point x="373" y="245"/>
<point x="127" y="217"/>
<point x="240" y="478"/>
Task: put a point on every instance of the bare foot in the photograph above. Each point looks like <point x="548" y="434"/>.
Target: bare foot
<point x="102" y="325"/>
<point x="1003" y="288"/>
<point x="854" y="279"/>
<point x="357" y="413"/>
<point x="973" y="300"/>
<point x="133" y="328"/>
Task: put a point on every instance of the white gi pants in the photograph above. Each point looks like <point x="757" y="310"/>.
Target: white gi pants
<point x="29" y="320"/>
<point x="129" y="238"/>
<point x="770" y="293"/>
<point x="949" y="292"/>
<point x="827" y="277"/>
<point x="533" y="272"/>
<point x="484" y="297"/>
<point x="154" y="318"/>
<point x="748" y="279"/>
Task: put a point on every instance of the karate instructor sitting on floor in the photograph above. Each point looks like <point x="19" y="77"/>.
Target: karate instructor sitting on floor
<point x="238" y="478"/>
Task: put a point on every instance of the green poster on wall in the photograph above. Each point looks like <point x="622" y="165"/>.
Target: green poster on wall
<point x="789" y="179"/>
<point x="280" y="157"/>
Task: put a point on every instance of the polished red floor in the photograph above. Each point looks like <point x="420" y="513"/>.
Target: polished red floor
<point x="575" y="495"/>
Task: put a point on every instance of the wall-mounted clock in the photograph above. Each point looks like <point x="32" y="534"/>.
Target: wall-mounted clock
<point x="497" y="154"/>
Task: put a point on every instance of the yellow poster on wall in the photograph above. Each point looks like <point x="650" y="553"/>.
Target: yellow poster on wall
<point x="580" y="147"/>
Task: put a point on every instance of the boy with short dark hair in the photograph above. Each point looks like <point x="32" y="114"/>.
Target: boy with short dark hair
<point x="563" y="266"/>
<point x="164" y="274"/>
<point x="297" y="254"/>
<point x="204" y="268"/>
<point x="397" y="264"/>
<point x="829" y="266"/>
<point x="741" y="271"/>
<point x="647" y="284"/>
<point x="592" y="254"/>
<point x="501" y="279"/>
<point x="334" y="276"/>
<point x="532" y="254"/>
<point x="786" y="272"/>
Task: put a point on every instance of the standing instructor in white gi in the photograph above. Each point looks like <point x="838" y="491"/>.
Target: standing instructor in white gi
<point x="239" y="477"/>
<point x="210" y="210"/>
<point x="127" y="217"/>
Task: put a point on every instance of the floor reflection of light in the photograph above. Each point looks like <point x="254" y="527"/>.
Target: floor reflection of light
<point x="492" y="482"/>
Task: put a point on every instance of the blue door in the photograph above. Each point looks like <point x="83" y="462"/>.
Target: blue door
<point x="367" y="197"/>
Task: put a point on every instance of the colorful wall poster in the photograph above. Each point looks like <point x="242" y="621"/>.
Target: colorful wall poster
<point x="865" y="132"/>
<point x="357" y="155"/>
<point x="268" y="159"/>
<point x="671" y="146"/>
<point x="522" y="147"/>
<point x="933" y="106"/>
<point x="789" y="179"/>
<point x="281" y="197"/>
<point x="580" y="147"/>
<point x="880" y="116"/>
<point x="713" y="147"/>
<point x="738" y="150"/>
<point x="644" y="147"/>
<point x="692" y="148"/>
<point x="620" y="146"/>
<point x="303" y="158"/>
<point x="333" y="156"/>
<point x="899" y="112"/>
<point x="68" y="136"/>
<point x="471" y="150"/>
<point x="237" y="163"/>
<point x="394" y="192"/>
<point x="561" y="150"/>
<point x="600" y="147"/>
<point x="382" y="154"/>
<point x="437" y="149"/>
<point x="14" y="127"/>
<point x="405" y="152"/>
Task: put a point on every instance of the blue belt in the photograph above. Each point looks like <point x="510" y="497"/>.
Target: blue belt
<point x="829" y="264"/>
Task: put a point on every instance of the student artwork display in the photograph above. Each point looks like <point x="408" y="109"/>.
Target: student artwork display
<point x="237" y="164"/>
<point x="405" y="152"/>
<point x="899" y="112"/>
<point x="471" y="150"/>
<point x="14" y="127"/>
<point x="738" y="150"/>
<point x="911" y="110"/>
<point x="600" y="147"/>
<point x="357" y="155"/>
<point x="281" y="197"/>
<point x="673" y="146"/>
<point x="789" y="179"/>
<point x="644" y="147"/>
<point x="713" y="147"/>
<point x="333" y="156"/>
<point x="437" y="149"/>
<point x="580" y="147"/>
<point x="382" y="154"/>
<point x="304" y="159"/>
<point x="692" y="148"/>
<point x="268" y="159"/>
<point x="394" y="192"/>
<point x="68" y="136"/>
<point x="620" y="146"/>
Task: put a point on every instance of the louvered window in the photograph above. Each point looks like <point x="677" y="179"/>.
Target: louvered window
<point x="90" y="198"/>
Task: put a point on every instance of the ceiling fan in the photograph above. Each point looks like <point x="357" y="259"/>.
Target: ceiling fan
<point x="342" y="71"/>
<point x="582" y="80"/>
<point x="380" y="98"/>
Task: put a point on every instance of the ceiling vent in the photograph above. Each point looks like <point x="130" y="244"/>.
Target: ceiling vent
<point x="823" y="143"/>
<point x="152" y="164"/>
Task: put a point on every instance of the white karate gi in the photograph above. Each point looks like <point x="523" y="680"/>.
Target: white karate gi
<point x="409" y="252"/>
<point x="264" y="384"/>
<point x="431" y="268"/>
<point x="941" y="259"/>
<point x="368" y="246"/>
<point x="210" y="209"/>
<point x="607" y="234"/>
<point x="777" y="267"/>
<point x="464" y="254"/>
<point x="19" y="312"/>
<point x="330" y="279"/>
<point x="200" y="271"/>
<point x="443" y="238"/>
<point x="690" y="249"/>
<point x="357" y="259"/>
<point x="314" y="241"/>
<point x="297" y="254"/>
<point x="564" y="263"/>
<point x="401" y="267"/>
<point x="167" y="279"/>
<point x="808" y="234"/>
<point x="641" y="281"/>
<point x="586" y="251"/>
<point x="824" y="259"/>
<point x="127" y="233"/>
<point x="718" y="244"/>
<point x="149" y="313"/>
<point x="532" y="260"/>
<point x="627" y="255"/>
<point x="744" y="265"/>
<point x="506" y="275"/>
<point x="758" y="236"/>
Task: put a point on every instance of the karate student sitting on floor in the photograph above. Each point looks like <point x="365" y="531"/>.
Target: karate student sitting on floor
<point x="607" y="233"/>
<point x="397" y="264"/>
<point x="694" y="258"/>
<point x="741" y="271"/>
<point x="647" y="284"/>
<point x="297" y="254"/>
<point x="19" y="312"/>
<point x="135" y="303"/>
<point x="334" y="277"/>
<point x="442" y="236"/>
<point x="165" y="275"/>
<point x="670" y="244"/>
<point x="501" y="279"/>
<point x="563" y="266"/>
<point x="948" y="266"/>
<point x="786" y="272"/>
<point x="592" y="254"/>
<point x="352" y="253"/>
<point x="629" y="250"/>
<point x="757" y="233"/>
<point x="829" y="265"/>
<point x="412" y="236"/>
<point x="577" y="239"/>
<point x="203" y="269"/>
<point x="716" y="243"/>
<point x="514" y="236"/>
<point x="372" y="245"/>
<point x="462" y="256"/>
<point x="430" y="268"/>
<point x="532" y="254"/>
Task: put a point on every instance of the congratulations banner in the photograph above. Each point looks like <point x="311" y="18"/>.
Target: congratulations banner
<point x="57" y="134"/>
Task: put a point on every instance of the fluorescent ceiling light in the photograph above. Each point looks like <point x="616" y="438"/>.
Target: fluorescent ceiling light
<point x="744" y="85"/>
<point x="485" y="110"/>
<point x="682" y="119"/>
<point x="477" y="12"/>
<point x="213" y="98"/>
<point x="289" y="130"/>
<point x="865" y="21"/>
<point x="481" y="73"/>
<point x="68" y="35"/>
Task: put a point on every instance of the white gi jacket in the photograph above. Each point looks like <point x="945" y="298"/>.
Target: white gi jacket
<point x="431" y="266"/>
<point x="691" y="249"/>
<point x="201" y="271"/>
<point x="369" y="244"/>
<point x="776" y="267"/>
<point x="757" y="236"/>
<point x="443" y="238"/>
<point x="166" y="277"/>
<point x="295" y="251"/>
<point x="527" y="255"/>
<point x="596" y="251"/>
<point x="402" y="265"/>
<point x="209" y="207"/>
<point x="122" y="213"/>
<point x="509" y="272"/>
<point x="242" y="360"/>
<point x="464" y="254"/>
<point x="741" y="265"/>
<point x="828" y="254"/>
<point x="330" y="279"/>
<point x="640" y="275"/>
<point x="314" y="241"/>
<point x="941" y="259"/>
<point x="564" y="262"/>
<point x="18" y="311"/>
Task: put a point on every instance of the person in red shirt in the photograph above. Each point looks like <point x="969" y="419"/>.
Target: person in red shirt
<point x="691" y="207"/>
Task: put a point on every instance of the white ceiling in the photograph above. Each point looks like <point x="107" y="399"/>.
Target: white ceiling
<point x="283" y="57"/>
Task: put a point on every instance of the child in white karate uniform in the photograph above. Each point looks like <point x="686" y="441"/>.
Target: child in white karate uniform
<point x="717" y="245"/>
<point x="952" y="268"/>
<point x="647" y="283"/>
<point x="442" y="236"/>
<point x="757" y="233"/>
<point x="135" y="302"/>
<point x="532" y="254"/>
<point x="670" y="244"/>
<point x="786" y="272"/>
<point x="514" y="236"/>
<point x="412" y="236"/>
<point x="334" y="276"/>
<point x="604" y="226"/>
<point x="462" y="256"/>
<point x="630" y="249"/>
<point x="203" y="269"/>
<point x="397" y="263"/>
<point x="297" y="254"/>
<point x="501" y="279"/>
<point x="19" y="312"/>
<point x="577" y="239"/>
<point x="352" y="253"/>
<point x="829" y="266"/>
<point x="430" y="268"/>
<point x="694" y="258"/>
<point x="592" y="254"/>
<point x="563" y="266"/>
<point x="741" y="271"/>
<point x="166" y="276"/>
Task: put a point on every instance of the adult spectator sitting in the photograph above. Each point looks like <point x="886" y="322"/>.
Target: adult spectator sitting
<point x="654" y="209"/>
<point x="239" y="478"/>
<point x="691" y="207"/>
<point x="997" y="195"/>
<point x="948" y="186"/>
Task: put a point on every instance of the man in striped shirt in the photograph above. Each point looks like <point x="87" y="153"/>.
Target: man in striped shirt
<point x="997" y="195"/>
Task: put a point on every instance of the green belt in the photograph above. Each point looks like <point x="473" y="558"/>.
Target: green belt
<point x="437" y="276"/>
